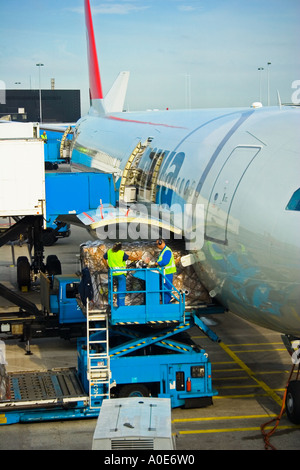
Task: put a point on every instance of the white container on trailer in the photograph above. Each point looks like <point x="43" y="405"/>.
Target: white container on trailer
<point x="19" y="130"/>
<point x="134" y="423"/>
<point x="22" y="177"/>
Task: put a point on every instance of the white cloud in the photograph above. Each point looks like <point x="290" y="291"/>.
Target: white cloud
<point x="118" y="8"/>
<point x="113" y="8"/>
<point x="186" y="8"/>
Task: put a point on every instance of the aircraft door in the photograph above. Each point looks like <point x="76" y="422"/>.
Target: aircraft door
<point x="221" y="197"/>
<point x="131" y="175"/>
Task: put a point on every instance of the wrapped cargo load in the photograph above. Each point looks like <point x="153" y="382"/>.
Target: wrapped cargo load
<point x="4" y="383"/>
<point x="185" y="280"/>
<point x="4" y="379"/>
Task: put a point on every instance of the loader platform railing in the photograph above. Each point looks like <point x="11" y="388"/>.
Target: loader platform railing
<point x="147" y="303"/>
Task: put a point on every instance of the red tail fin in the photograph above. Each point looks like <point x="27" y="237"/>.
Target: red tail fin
<point x="94" y="72"/>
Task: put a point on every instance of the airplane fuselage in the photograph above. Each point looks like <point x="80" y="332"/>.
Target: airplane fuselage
<point x="238" y="169"/>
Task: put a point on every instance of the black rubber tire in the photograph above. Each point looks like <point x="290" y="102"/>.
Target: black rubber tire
<point x="134" y="390"/>
<point x="292" y="402"/>
<point x="53" y="265"/>
<point x="48" y="237"/>
<point x="23" y="272"/>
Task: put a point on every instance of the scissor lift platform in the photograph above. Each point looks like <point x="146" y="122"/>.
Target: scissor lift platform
<point x="128" y="351"/>
<point x="152" y="309"/>
<point x="144" y="356"/>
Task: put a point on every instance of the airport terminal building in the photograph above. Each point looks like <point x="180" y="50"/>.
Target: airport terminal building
<point x="57" y="105"/>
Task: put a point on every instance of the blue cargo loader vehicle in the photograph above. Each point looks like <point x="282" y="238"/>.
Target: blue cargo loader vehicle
<point x="63" y="197"/>
<point x="127" y="351"/>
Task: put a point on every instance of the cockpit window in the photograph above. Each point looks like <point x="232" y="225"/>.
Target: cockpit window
<point x="294" y="202"/>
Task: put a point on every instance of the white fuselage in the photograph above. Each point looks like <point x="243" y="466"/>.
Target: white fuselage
<point x="238" y="169"/>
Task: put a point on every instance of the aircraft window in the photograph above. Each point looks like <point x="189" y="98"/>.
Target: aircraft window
<point x="294" y="202"/>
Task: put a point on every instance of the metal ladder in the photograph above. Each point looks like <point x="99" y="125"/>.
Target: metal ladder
<point x="98" y="359"/>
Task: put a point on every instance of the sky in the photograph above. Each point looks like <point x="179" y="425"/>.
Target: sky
<point x="180" y="53"/>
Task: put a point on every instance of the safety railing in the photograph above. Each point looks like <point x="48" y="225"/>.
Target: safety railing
<point x="154" y="290"/>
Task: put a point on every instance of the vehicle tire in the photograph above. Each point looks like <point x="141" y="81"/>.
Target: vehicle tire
<point x="292" y="402"/>
<point x="48" y="237"/>
<point x="134" y="390"/>
<point x="66" y="234"/>
<point x="53" y="265"/>
<point x="23" y="272"/>
<point x="48" y="166"/>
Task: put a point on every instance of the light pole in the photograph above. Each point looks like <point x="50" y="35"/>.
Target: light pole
<point x="39" y="66"/>
<point x="260" y="69"/>
<point x="269" y="63"/>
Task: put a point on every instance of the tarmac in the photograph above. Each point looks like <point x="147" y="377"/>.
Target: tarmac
<point x="250" y="369"/>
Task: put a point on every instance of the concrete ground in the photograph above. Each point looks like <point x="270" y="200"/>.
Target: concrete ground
<point x="250" y="368"/>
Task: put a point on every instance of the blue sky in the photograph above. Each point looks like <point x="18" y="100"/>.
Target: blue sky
<point x="180" y="53"/>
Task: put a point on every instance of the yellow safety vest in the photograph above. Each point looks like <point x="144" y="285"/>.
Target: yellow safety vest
<point x="115" y="260"/>
<point x="170" y="268"/>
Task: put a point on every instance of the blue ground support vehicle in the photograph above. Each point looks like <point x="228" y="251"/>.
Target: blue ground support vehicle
<point x="56" y="153"/>
<point x="57" y="148"/>
<point x="60" y="299"/>
<point x="63" y="197"/>
<point x="59" y="315"/>
<point x="62" y="194"/>
<point x="125" y="353"/>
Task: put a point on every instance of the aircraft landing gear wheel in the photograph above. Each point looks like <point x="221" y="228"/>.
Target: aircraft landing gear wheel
<point x="292" y="402"/>
<point x="134" y="390"/>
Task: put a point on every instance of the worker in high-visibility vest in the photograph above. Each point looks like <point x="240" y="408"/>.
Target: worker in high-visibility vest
<point x="116" y="259"/>
<point x="166" y="261"/>
<point x="44" y="137"/>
